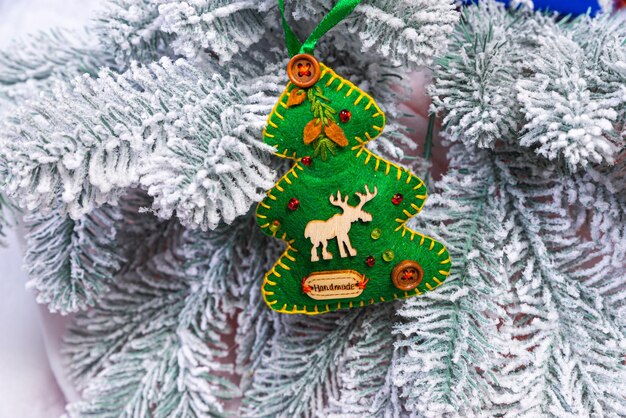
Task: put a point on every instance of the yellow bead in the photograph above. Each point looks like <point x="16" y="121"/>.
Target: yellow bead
<point x="376" y="233"/>
<point x="274" y="226"/>
<point x="388" y="255"/>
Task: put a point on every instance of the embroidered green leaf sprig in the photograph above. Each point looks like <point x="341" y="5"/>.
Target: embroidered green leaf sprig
<point x="320" y="105"/>
<point x="322" y="146"/>
<point x="322" y="132"/>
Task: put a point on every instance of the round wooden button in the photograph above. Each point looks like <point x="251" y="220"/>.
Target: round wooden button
<point x="407" y="275"/>
<point x="303" y="70"/>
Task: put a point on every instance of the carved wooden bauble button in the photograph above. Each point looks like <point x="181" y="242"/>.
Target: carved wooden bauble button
<point x="303" y="70"/>
<point x="407" y="275"/>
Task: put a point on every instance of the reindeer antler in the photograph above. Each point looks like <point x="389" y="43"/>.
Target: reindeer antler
<point x="366" y="197"/>
<point x="343" y="204"/>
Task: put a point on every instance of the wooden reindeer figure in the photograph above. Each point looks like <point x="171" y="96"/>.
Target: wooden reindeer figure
<point x="338" y="226"/>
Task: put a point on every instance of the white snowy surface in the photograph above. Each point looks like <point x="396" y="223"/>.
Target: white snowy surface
<point x="31" y="384"/>
<point x="20" y="17"/>
<point x="28" y="387"/>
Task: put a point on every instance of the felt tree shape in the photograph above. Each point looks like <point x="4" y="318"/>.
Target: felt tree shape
<point x="341" y="209"/>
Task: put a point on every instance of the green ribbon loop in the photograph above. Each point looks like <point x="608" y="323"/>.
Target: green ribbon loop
<point x="341" y="10"/>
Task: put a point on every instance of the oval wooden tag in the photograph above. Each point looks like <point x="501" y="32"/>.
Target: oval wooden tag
<point x="336" y="284"/>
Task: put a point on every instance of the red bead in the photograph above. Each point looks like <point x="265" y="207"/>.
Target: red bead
<point x="345" y="115"/>
<point x="293" y="204"/>
<point x="397" y="199"/>
<point x="307" y="160"/>
<point x="370" y="261"/>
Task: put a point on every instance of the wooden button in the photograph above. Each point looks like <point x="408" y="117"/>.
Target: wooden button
<point x="407" y="275"/>
<point x="303" y="70"/>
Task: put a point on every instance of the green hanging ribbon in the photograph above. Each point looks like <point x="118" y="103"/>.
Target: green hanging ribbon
<point x="341" y="10"/>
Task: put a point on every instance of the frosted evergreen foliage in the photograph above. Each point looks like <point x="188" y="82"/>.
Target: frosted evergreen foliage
<point x="29" y="66"/>
<point x="559" y="83"/>
<point x="422" y="26"/>
<point x="601" y="195"/>
<point x="71" y="263"/>
<point x="135" y="148"/>
<point x="63" y="52"/>
<point x="297" y="344"/>
<point x="224" y="27"/>
<point x="224" y="170"/>
<point x="129" y="30"/>
<point x="448" y="340"/>
<point x="364" y="372"/>
<point x="5" y="209"/>
<point x="168" y="351"/>
<point x="567" y="116"/>
<point x="578" y="128"/>
<point x="255" y="323"/>
<point x="164" y="354"/>
<point x="406" y="32"/>
<point x="563" y="307"/>
<point x="475" y="77"/>
<point x="110" y="132"/>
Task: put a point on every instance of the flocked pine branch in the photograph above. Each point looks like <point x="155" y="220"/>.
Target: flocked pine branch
<point x="474" y="77"/>
<point x="566" y="116"/>
<point x="255" y="323"/>
<point x="558" y="317"/>
<point x="364" y="378"/>
<point x="409" y="33"/>
<point x="146" y="29"/>
<point x="599" y="197"/>
<point x="405" y="32"/>
<point x="161" y="357"/>
<point x="555" y="81"/>
<point x="130" y="30"/>
<point x="223" y="27"/>
<point x="100" y="136"/>
<point x="5" y="208"/>
<point x="29" y="66"/>
<point x="447" y="340"/>
<point x="285" y="383"/>
<point x="169" y="352"/>
<point x="71" y="263"/>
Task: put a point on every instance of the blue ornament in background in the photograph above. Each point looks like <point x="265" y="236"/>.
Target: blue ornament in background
<point x="574" y="7"/>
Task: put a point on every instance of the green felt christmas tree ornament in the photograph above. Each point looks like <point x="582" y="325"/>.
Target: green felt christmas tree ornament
<point x="341" y="209"/>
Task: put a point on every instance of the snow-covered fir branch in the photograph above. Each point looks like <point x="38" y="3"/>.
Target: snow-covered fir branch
<point x="5" y="209"/>
<point x="30" y="66"/>
<point x="98" y="137"/>
<point x="364" y="378"/>
<point x="285" y="384"/>
<point x="447" y="341"/>
<point x="70" y="263"/>
<point x="560" y="83"/>
<point x="157" y="343"/>
<point x="561" y="310"/>
<point x="406" y="32"/>
<point x="473" y="85"/>
<point x="162" y="330"/>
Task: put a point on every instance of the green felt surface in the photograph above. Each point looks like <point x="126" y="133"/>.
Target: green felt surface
<point x="349" y="170"/>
